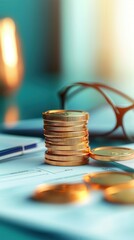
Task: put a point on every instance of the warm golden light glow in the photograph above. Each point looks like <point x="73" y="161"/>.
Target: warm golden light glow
<point x="11" y="64"/>
<point x="106" y="36"/>
<point x="11" y="116"/>
<point x="8" y="43"/>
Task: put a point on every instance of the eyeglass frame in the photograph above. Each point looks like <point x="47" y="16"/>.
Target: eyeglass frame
<point x="119" y="111"/>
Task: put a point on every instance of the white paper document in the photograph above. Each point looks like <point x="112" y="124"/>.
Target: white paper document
<point x="19" y="179"/>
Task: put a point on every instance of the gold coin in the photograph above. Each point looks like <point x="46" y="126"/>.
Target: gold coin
<point x="102" y="180"/>
<point x="65" y="115"/>
<point x="61" y="193"/>
<point x="78" y="147"/>
<point x="123" y="193"/>
<point x="78" y="157"/>
<point x="69" y="152"/>
<point x="65" y="129"/>
<point x="66" y="163"/>
<point x="112" y="153"/>
<point x="66" y="144"/>
<point x="67" y="141"/>
<point x="64" y="123"/>
<point x="65" y="134"/>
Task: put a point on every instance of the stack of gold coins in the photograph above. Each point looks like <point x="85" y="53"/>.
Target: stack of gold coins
<point x="66" y="137"/>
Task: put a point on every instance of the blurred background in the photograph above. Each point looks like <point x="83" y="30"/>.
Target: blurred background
<point x="46" y="45"/>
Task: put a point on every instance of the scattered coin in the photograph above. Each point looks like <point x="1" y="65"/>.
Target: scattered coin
<point x="123" y="193"/>
<point x="112" y="153"/>
<point x="102" y="180"/>
<point x="61" y="193"/>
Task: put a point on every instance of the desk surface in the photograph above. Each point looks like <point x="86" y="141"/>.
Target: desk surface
<point x="22" y="218"/>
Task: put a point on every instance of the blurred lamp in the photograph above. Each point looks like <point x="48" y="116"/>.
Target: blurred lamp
<point x="11" y="61"/>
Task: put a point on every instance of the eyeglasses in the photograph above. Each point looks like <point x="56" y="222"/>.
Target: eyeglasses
<point x="107" y="117"/>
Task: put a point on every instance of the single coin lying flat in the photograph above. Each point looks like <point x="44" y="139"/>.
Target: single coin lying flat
<point x="65" y="115"/>
<point x="123" y="193"/>
<point x="61" y="193"/>
<point x="102" y="180"/>
<point x="109" y="153"/>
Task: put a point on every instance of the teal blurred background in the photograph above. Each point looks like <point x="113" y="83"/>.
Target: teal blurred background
<point x="63" y="42"/>
<point x="55" y="51"/>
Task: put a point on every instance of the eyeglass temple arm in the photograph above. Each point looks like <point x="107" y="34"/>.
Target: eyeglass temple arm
<point x="62" y="99"/>
<point x="62" y="94"/>
<point x="116" y="91"/>
<point x="99" y="85"/>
